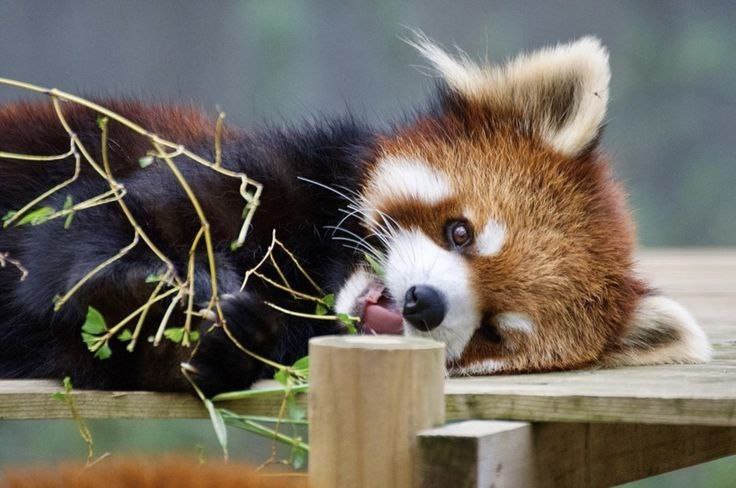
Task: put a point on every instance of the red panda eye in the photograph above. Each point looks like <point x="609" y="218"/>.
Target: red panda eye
<point x="459" y="233"/>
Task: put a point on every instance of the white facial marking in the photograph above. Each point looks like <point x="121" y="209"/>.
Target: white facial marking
<point x="414" y="259"/>
<point x="407" y="179"/>
<point x="515" y="322"/>
<point x="491" y="239"/>
<point x="348" y="295"/>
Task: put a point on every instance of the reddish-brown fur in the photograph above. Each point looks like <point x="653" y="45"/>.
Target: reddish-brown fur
<point x="567" y="261"/>
<point x="147" y="472"/>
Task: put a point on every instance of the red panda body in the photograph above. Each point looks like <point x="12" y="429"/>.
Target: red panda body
<point x="493" y="215"/>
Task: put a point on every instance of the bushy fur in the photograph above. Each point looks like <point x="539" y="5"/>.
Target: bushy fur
<point x="37" y="342"/>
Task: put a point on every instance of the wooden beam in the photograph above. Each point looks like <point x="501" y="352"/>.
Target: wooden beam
<point x="32" y="399"/>
<point x="510" y="454"/>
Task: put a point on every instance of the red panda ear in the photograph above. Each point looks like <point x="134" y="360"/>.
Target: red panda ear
<point x="561" y="91"/>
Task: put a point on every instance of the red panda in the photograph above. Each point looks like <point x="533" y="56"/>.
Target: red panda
<point x="491" y="219"/>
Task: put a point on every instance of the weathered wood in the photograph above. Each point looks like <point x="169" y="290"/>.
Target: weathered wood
<point x="511" y="454"/>
<point x="32" y="399"/>
<point x="363" y="415"/>
<point x="670" y="394"/>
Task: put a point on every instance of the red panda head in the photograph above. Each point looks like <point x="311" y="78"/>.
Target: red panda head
<point x="505" y="235"/>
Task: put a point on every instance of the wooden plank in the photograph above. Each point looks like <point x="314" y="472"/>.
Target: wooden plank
<point x="510" y="454"/>
<point x="690" y="271"/>
<point x="477" y="453"/>
<point x="32" y="399"/>
<point x="702" y="394"/>
<point x="669" y="394"/>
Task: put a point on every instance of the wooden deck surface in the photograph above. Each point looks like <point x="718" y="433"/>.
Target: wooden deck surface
<point x="702" y="280"/>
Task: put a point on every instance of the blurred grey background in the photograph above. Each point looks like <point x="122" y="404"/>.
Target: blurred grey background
<point x="671" y="124"/>
<point x="672" y="118"/>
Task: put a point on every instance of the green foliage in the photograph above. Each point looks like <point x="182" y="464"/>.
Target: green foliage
<point x="125" y="335"/>
<point x="348" y="322"/>
<point x="95" y="334"/>
<point x="376" y="266"/>
<point x="176" y="334"/>
<point x="104" y="351"/>
<point x="68" y="204"/>
<point x="94" y="323"/>
<point x="145" y="161"/>
<point x="9" y="215"/>
<point x="218" y="423"/>
<point x="154" y="278"/>
<point x="37" y="217"/>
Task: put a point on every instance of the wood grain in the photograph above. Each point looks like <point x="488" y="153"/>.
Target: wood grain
<point x="364" y="417"/>
<point x="501" y="454"/>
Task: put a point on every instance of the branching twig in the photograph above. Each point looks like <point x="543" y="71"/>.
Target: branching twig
<point x="60" y="301"/>
<point x="5" y="259"/>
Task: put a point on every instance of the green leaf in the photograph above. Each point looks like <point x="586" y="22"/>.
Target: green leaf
<point x="154" y="278"/>
<point x="242" y="394"/>
<point x="104" y="351"/>
<point x="348" y="322"/>
<point x="294" y="410"/>
<point x="68" y="204"/>
<point x="175" y="334"/>
<point x="59" y="395"/>
<point x="101" y="121"/>
<point x="218" y="424"/>
<point x="374" y="264"/>
<point x="320" y="309"/>
<point x="282" y="376"/>
<point x="299" y="458"/>
<point x="125" y="335"/>
<point x="9" y="215"/>
<point x="145" y="161"/>
<point x="329" y="300"/>
<point x="194" y="336"/>
<point x="301" y="364"/>
<point x="68" y="220"/>
<point x="95" y="322"/>
<point x="90" y="340"/>
<point x="38" y="216"/>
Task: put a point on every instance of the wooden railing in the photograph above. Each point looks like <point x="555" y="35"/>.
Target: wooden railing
<point x="377" y="407"/>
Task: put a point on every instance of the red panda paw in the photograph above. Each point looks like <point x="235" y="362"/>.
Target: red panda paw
<point x="220" y="364"/>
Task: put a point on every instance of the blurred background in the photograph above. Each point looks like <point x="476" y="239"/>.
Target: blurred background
<point x="671" y="124"/>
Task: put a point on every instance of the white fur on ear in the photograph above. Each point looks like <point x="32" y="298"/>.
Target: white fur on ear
<point x="563" y="90"/>
<point x="661" y="332"/>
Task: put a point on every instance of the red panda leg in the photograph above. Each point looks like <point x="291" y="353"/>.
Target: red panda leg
<point x="219" y="364"/>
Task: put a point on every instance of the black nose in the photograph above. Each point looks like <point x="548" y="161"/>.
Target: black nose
<point x="424" y="307"/>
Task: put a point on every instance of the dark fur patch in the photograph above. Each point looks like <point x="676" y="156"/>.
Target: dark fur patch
<point x="36" y="342"/>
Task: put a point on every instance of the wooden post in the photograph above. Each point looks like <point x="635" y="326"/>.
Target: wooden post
<point x="368" y="397"/>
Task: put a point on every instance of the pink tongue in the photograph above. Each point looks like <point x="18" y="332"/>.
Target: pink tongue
<point x="380" y="320"/>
